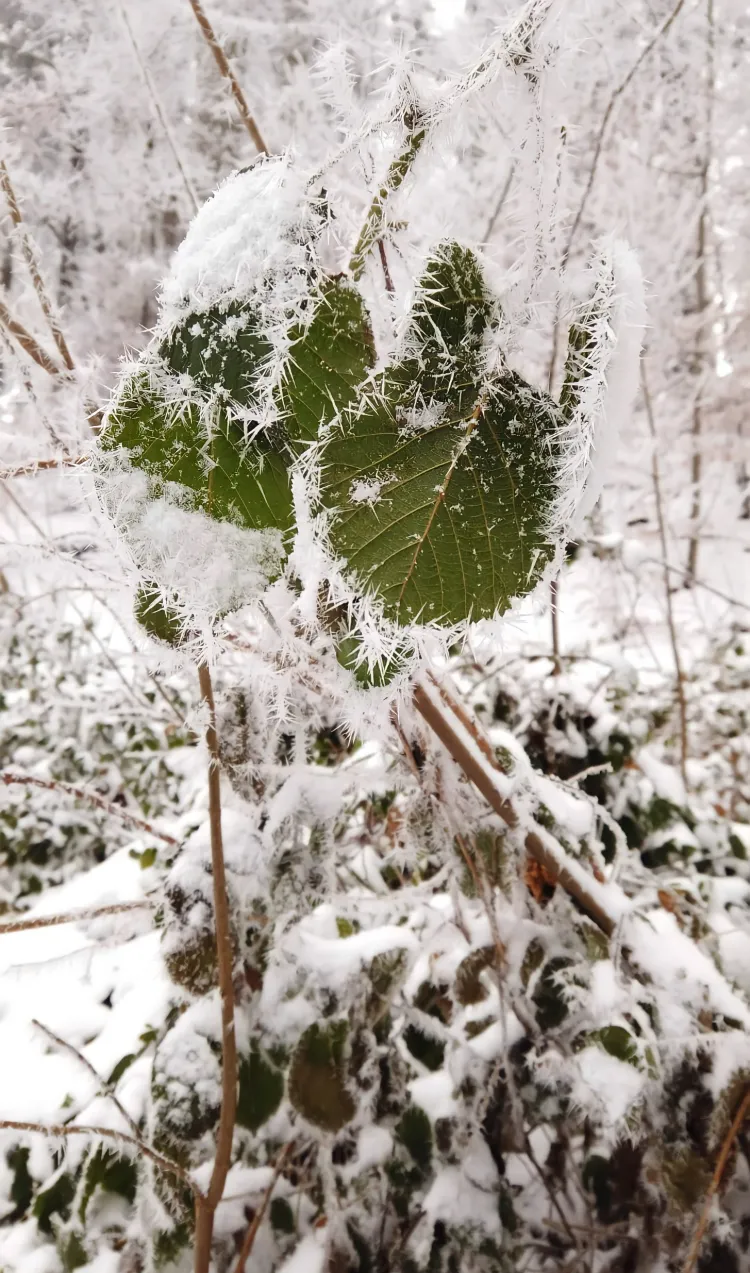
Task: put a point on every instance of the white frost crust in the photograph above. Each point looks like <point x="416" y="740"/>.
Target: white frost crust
<point x="211" y="567"/>
<point x="252" y="229"/>
<point x="616" y="317"/>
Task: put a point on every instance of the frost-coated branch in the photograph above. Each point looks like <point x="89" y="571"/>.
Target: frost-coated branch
<point x="28" y="343"/>
<point x="10" y="779"/>
<point x="73" y="917"/>
<point x="30" y="256"/>
<point x="41" y="466"/>
<point x="104" y="1087"/>
<point x="604" y="904"/>
<point x="68" y="1129"/>
<point x="514" y="50"/>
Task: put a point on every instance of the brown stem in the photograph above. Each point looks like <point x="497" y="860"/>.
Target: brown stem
<point x="463" y="743"/>
<point x="27" y="342"/>
<point x="671" y="624"/>
<point x="257" y="1219"/>
<point x="73" y="917"/>
<point x="30" y="256"/>
<point x="205" y="1208"/>
<point x="40" y="466"/>
<point x="65" y="1129"/>
<point x="222" y="62"/>
<point x="716" y="1179"/>
<point x="10" y="779"/>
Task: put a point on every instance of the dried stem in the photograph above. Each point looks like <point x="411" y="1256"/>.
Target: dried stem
<point x="105" y="1088"/>
<point x="65" y="1129"/>
<point x="90" y="797"/>
<point x="28" y="342"/>
<point x="41" y="466"/>
<point x="716" y="1179"/>
<point x="473" y="754"/>
<point x="73" y="917"/>
<point x="222" y="62"/>
<point x="32" y="261"/>
<point x="257" y="1219"/>
<point x="671" y="624"/>
<point x="205" y="1208"/>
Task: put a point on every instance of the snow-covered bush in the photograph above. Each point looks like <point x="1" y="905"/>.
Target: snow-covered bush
<point x="413" y="999"/>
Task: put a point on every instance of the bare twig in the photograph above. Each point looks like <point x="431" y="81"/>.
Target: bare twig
<point x="28" y="342"/>
<point x="41" y="466"/>
<point x="671" y="624"/>
<point x="220" y="57"/>
<point x="257" y="1219"/>
<point x="66" y="1129"/>
<point x="702" y="302"/>
<point x="462" y="738"/>
<point x="30" y="256"/>
<point x="205" y="1208"/>
<point x="716" y="1179"/>
<point x="160" y="115"/>
<point x="105" y="1088"/>
<point x="621" y="88"/>
<point x="73" y="917"/>
<point x="11" y="779"/>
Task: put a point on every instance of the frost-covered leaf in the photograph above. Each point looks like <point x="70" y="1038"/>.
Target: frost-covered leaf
<point x="327" y="361"/>
<point x="220" y="467"/>
<point x="441" y="479"/>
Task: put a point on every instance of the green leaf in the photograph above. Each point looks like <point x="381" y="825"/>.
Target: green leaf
<point x="414" y="1131"/>
<point x="161" y="623"/>
<point x="441" y="481"/>
<point x="224" y="469"/>
<point x="109" y="1171"/>
<point x="317" y="1077"/>
<point x="327" y="362"/>
<point x="261" y="1088"/>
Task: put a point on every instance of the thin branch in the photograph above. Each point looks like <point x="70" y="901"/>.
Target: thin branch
<point x="257" y="1219"/>
<point x="702" y="302"/>
<point x="700" y="583"/>
<point x="105" y="1088"/>
<point x="220" y="57"/>
<point x="205" y="1209"/>
<point x="499" y="205"/>
<point x="41" y="466"/>
<point x="716" y="1179"/>
<point x="11" y="779"/>
<point x="30" y="256"/>
<point x="28" y="342"/>
<point x="621" y="88"/>
<point x="65" y="1129"/>
<point x="160" y="115"/>
<point x="73" y="917"/>
<point x="473" y="754"/>
<point x="671" y="624"/>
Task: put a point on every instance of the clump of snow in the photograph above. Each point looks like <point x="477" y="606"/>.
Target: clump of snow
<point x="362" y="492"/>
<point x="251" y="241"/>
